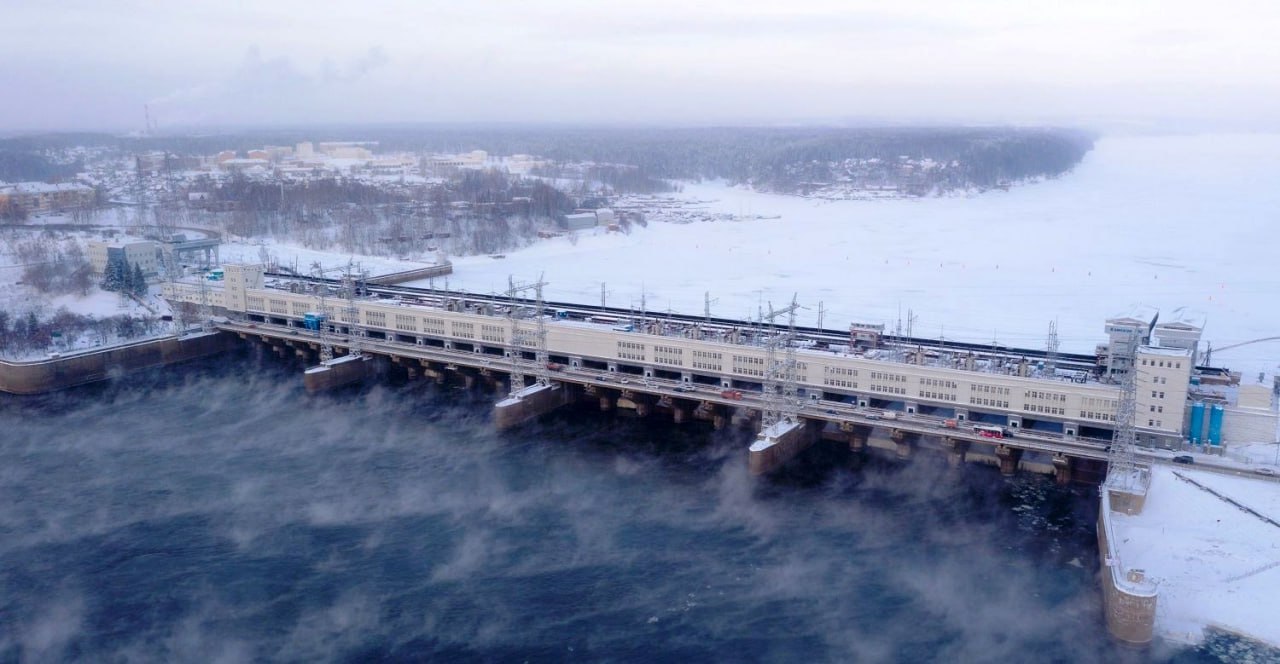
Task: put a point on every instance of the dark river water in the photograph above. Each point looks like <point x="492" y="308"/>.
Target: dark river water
<point x="216" y="513"/>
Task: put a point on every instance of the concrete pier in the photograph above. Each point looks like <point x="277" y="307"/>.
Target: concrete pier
<point x="956" y="450"/>
<point x="532" y="401"/>
<point x="905" y="443"/>
<point x="857" y="436"/>
<point x="1009" y="458"/>
<point x="777" y="445"/>
<point x="1128" y="597"/>
<point x="80" y="368"/>
<point x="1062" y="469"/>
<point x="336" y="373"/>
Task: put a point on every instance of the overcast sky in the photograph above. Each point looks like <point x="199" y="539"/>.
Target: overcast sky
<point x="94" y="63"/>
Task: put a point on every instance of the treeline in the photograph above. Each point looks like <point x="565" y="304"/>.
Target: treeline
<point x="22" y="335"/>
<point x="641" y="159"/>
<point x="52" y="265"/>
<point x="17" y="166"/>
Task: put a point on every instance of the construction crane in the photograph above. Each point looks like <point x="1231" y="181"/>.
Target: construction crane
<point x="521" y="337"/>
<point x="1208" y="353"/>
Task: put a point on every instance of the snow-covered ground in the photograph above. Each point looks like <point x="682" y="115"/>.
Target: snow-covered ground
<point x="1215" y="564"/>
<point x="1186" y="221"/>
<point x="301" y="258"/>
<point x="1166" y="221"/>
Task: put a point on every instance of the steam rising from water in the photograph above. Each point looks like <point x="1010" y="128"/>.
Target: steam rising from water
<point x="227" y="517"/>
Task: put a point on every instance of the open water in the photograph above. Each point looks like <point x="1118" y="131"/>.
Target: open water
<point x="216" y="513"/>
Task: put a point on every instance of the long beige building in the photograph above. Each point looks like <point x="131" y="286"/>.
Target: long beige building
<point x="1086" y="409"/>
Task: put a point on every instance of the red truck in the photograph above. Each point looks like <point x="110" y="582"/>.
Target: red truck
<point x="736" y="395"/>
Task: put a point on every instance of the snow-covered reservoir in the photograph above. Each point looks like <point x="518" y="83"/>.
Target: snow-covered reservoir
<point x="1214" y="563"/>
<point x="1185" y="221"/>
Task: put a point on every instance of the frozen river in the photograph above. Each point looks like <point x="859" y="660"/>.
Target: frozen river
<point x="1170" y="222"/>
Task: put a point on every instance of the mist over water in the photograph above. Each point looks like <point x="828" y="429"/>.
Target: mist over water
<point x="217" y="513"/>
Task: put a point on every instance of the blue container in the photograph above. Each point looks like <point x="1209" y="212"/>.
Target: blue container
<point x="312" y="320"/>
<point x="1215" y="425"/>
<point x="1197" y="423"/>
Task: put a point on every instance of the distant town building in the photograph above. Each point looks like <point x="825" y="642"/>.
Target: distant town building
<point x="580" y="220"/>
<point x="145" y="254"/>
<point x="41" y="197"/>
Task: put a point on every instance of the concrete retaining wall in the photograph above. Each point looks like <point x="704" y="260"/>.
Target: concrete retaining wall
<point x="51" y="375"/>
<point x="1129" y="599"/>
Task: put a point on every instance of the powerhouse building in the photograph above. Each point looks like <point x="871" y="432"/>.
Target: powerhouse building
<point x="1045" y="403"/>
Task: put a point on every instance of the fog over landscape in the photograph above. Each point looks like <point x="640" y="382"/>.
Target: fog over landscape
<point x="1134" y="65"/>
<point x="1011" y="179"/>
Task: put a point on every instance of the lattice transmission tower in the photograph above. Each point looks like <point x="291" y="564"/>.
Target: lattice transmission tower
<point x="781" y="388"/>
<point x="522" y="337"/>
<point x="1122" y="470"/>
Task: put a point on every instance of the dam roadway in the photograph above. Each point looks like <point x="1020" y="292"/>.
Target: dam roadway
<point x="818" y="418"/>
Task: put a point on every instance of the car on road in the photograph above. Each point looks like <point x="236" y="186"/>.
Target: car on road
<point x="683" y="388"/>
<point x="831" y="411"/>
<point x="871" y="416"/>
<point x="1184" y="458"/>
<point x="1269" y="472"/>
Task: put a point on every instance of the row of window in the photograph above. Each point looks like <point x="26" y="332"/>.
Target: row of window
<point x="938" y="382"/>
<point x="494" y="333"/>
<point x="1092" y="415"/>
<point x="1048" y="410"/>
<point x="705" y="359"/>
<point x="630" y="350"/>
<point x="1169" y="364"/>
<point x="1045" y="396"/>
<point x="938" y="396"/>
<point x="888" y="377"/>
<point x="672" y="355"/>
<point x="989" y="389"/>
<point x="983" y="401"/>
<point x="888" y="389"/>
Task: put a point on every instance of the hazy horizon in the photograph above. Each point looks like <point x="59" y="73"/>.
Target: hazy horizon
<point x="1140" y="66"/>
